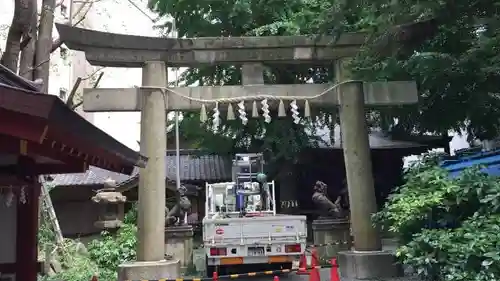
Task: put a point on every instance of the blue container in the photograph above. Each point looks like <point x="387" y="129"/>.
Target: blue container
<point x="489" y="159"/>
<point x="240" y="201"/>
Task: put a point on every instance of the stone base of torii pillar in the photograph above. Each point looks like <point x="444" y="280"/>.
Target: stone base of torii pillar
<point x="149" y="270"/>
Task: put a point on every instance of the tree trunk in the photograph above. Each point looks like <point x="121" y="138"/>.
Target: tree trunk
<point x="19" y="27"/>
<point x="44" y="43"/>
<point x="28" y="53"/>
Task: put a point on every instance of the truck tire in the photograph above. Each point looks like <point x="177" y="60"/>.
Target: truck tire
<point x="210" y="269"/>
<point x="287" y="266"/>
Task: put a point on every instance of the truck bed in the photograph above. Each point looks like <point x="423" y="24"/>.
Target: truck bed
<point x="254" y="230"/>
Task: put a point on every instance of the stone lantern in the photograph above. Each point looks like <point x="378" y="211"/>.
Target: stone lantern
<point x="111" y="206"/>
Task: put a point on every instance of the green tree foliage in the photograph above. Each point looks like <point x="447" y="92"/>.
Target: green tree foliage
<point x="448" y="47"/>
<point x="111" y="250"/>
<point x="101" y="256"/>
<point x="452" y="54"/>
<point x="281" y="139"/>
<point x="448" y="228"/>
<point x="77" y="265"/>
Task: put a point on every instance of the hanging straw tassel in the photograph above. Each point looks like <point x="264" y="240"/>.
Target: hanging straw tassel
<point x="255" y="111"/>
<point x="333" y="116"/>
<point x="203" y="114"/>
<point x="307" y="109"/>
<point x="281" y="109"/>
<point x="230" y="112"/>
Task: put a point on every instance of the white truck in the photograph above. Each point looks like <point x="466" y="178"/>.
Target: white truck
<point x="241" y="230"/>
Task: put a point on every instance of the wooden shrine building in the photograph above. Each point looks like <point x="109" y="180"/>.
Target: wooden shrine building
<point x="40" y="135"/>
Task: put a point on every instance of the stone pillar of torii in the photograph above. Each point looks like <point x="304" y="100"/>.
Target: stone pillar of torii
<point x="253" y="99"/>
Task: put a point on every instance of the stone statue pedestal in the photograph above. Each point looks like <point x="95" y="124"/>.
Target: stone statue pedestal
<point x="334" y="232"/>
<point x="179" y="244"/>
<point x="370" y="265"/>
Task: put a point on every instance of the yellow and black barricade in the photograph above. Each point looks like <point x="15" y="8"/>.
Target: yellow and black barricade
<point x="233" y="276"/>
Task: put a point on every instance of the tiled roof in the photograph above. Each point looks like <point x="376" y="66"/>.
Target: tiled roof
<point x="377" y="140"/>
<point x="198" y="166"/>
<point x="195" y="166"/>
<point x="93" y="176"/>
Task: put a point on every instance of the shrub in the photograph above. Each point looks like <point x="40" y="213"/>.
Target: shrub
<point x="112" y="250"/>
<point x="448" y="228"/>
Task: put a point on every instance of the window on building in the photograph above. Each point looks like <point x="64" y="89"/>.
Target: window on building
<point x="63" y="94"/>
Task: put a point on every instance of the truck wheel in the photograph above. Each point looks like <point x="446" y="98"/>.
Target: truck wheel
<point x="209" y="268"/>
<point x="287" y="266"/>
<point x="210" y="271"/>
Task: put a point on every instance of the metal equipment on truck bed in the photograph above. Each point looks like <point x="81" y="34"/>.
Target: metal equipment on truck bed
<point x="241" y="228"/>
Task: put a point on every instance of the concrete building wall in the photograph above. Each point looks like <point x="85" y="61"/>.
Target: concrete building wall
<point x="76" y="218"/>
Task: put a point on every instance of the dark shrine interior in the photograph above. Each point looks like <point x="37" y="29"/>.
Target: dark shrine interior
<point x="327" y="165"/>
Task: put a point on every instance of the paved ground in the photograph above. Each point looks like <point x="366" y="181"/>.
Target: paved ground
<point x="324" y="275"/>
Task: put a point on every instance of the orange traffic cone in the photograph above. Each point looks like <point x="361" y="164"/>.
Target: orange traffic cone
<point x="314" y="275"/>
<point x="215" y="276"/>
<point x="314" y="258"/>
<point x="303" y="265"/>
<point x="334" y="271"/>
<point x="276" y="278"/>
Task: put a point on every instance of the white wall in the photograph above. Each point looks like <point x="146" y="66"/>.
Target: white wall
<point x="8" y="232"/>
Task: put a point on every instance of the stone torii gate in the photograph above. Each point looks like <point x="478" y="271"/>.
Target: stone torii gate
<point x="153" y="55"/>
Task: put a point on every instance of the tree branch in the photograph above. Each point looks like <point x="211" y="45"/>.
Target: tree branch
<point x="76" y="105"/>
<point x="69" y="101"/>
<point x="57" y="42"/>
<point x="34" y="67"/>
<point x="93" y="73"/>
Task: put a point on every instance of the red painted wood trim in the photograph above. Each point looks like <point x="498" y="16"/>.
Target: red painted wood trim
<point x="97" y="156"/>
<point x="21" y="126"/>
<point x="46" y="169"/>
<point x="27" y="229"/>
<point x="54" y="139"/>
<point x="35" y="117"/>
<point x="10" y="268"/>
<point x="12" y="145"/>
<point x="26" y="102"/>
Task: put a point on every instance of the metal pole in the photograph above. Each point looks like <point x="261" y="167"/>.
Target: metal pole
<point x="177" y="145"/>
<point x="177" y="148"/>
<point x="71" y="9"/>
<point x="177" y="153"/>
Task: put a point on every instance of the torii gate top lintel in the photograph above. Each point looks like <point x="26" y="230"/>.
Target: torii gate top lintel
<point x="120" y="50"/>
